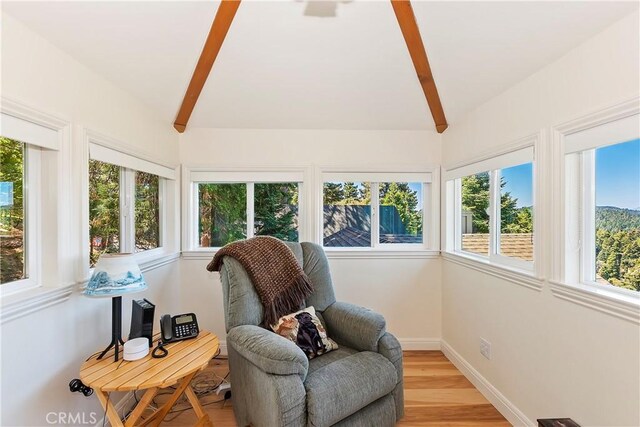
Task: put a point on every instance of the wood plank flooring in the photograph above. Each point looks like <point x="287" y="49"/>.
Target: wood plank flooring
<point x="435" y="392"/>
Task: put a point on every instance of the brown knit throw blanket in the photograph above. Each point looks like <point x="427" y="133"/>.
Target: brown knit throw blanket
<point x="278" y="279"/>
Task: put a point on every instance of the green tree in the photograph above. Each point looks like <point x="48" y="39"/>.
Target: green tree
<point x="147" y="211"/>
<point x="475" y="198"/>
<point x="12" y="266"/>
<point x="333" y="193"/>
<point x="104" y="209"/>
<point x="223" y="213"/>
<point x="405" y="201"/>
<point x="351" y="194"/>
<point x="276" y="210"/>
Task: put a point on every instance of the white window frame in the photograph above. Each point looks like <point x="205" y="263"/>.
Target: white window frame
<point x="46" y="140"/>
<point x="566" y="201"/>
<point x="31" y="187"/>
<point x="580" y="181"/>
<point x="105" y="149"/>
<point x="429" y="178"/>
<point x="518" y="153"/>
<point x="193" y="176"/>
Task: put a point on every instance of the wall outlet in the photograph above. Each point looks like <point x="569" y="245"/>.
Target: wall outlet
<point x="485" y="348"/>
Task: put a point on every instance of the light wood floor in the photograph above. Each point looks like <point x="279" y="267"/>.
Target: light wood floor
<point x="435" y="393"/>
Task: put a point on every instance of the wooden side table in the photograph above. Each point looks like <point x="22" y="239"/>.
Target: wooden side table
<point x="185" y="359"/>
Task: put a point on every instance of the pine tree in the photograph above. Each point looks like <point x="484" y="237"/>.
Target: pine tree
<point x="275" y="211"/>
<point x="333" y="193"/>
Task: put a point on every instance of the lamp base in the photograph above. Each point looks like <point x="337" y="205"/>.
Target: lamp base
<point x="116" y="328"/>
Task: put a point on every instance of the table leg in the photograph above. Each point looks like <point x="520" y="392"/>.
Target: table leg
<point x="111" y="413"/>
<point x="156" y="418"/>
<point x="203" y="417"/>
<point x="147" y="397"/>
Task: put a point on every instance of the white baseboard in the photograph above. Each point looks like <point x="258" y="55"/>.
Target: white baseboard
<point x="514" y="415"/>
<point x="420" y="343"/>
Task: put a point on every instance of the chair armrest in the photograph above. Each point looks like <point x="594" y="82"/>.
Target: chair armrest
<point x="354" y="326"/>
<point x="269" y="351"/>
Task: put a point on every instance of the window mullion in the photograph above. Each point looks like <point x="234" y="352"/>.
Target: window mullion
<point x="457" y="215"/>
<point x="494" y="212"/>
<point x="250" y="209"/>
<point x="375" y="214"/>
<point x="195" y="217"/>
<point x="587" y="217"/>
<point x="127" y="202"/>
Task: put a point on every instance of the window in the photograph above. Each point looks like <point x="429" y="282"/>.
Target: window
<point x="230" y="209"/>
<point x="603" y="192"/>
<point x="492" y="203"/>
<point x="13" y="264"/>
<point x="125" y="203"/>
<point x="516" y="212"/>
<point x="28" y="157"/>
<point x="379" y="212"/>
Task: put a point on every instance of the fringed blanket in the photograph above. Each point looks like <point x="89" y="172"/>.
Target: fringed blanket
<point x="278" y="279"/>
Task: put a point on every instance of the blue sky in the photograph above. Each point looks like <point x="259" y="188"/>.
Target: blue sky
<point x="618" y="175"/>
<point x="519" y="182"/>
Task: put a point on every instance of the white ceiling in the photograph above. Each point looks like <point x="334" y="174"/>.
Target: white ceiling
<point x="281" y="69"/>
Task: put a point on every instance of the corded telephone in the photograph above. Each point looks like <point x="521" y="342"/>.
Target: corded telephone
<point x="180" y="327"/>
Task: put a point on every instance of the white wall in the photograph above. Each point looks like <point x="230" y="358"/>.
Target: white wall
<point x="405" y="291"/>
<point x="43" y="351"/>
<point x="550" y="357"/>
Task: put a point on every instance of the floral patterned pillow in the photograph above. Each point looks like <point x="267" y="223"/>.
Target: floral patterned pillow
<point x="305" y="330"/>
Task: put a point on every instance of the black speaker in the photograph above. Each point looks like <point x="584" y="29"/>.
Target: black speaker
<point x="142" y="319"/>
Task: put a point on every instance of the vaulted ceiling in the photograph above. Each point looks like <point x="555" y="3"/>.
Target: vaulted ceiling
<point x="282" y="67"/>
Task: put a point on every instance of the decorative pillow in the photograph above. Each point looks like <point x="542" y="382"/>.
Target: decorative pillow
<point x="305" y="330"/>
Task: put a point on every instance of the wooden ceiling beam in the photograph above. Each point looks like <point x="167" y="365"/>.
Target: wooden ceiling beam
<point x="409" y="27"/>
<point x="221" y="23"/>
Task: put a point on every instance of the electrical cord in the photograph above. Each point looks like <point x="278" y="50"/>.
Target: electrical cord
<point x="106" y="408"/>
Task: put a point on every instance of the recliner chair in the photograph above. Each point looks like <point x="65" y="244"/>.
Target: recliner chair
<point x="273" y="382"/>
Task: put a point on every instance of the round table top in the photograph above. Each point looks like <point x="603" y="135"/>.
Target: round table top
<point x="184" y="358"/>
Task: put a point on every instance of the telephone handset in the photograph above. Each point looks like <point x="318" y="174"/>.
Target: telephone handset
<point x="180" y="327"/>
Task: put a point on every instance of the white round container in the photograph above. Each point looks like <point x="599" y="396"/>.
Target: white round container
<point x="136" y="348"/>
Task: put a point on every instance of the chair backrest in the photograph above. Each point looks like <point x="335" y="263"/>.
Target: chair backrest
<point x="242" y="305"/>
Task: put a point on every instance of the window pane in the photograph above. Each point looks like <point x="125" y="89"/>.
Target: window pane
<point x="400" y="212"/>
<point x="475" y="214"/>
<point x="618" y="215"/>
<point x="222" y="213"/>
<point x="347" y="214"/>
<point x="12" y="211"/>
<point x="516" y="212"/>
<point x="104" y="209"/>
<point x="276" y="210"/>
<point x="147" y="211"/>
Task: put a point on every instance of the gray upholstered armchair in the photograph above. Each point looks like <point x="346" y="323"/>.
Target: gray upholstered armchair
<point x="273" y="382"/>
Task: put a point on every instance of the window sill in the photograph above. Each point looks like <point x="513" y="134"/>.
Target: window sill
<point x="29" y="301"/>
<point x="364" y="253"/>
<point x="623" y="306"/>
<point x="513" y="275"/>
<point x="367" y="253"/>
<point x="151" y="261"/>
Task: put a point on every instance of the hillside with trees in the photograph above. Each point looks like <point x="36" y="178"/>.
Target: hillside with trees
<point x="618" y="246"/>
